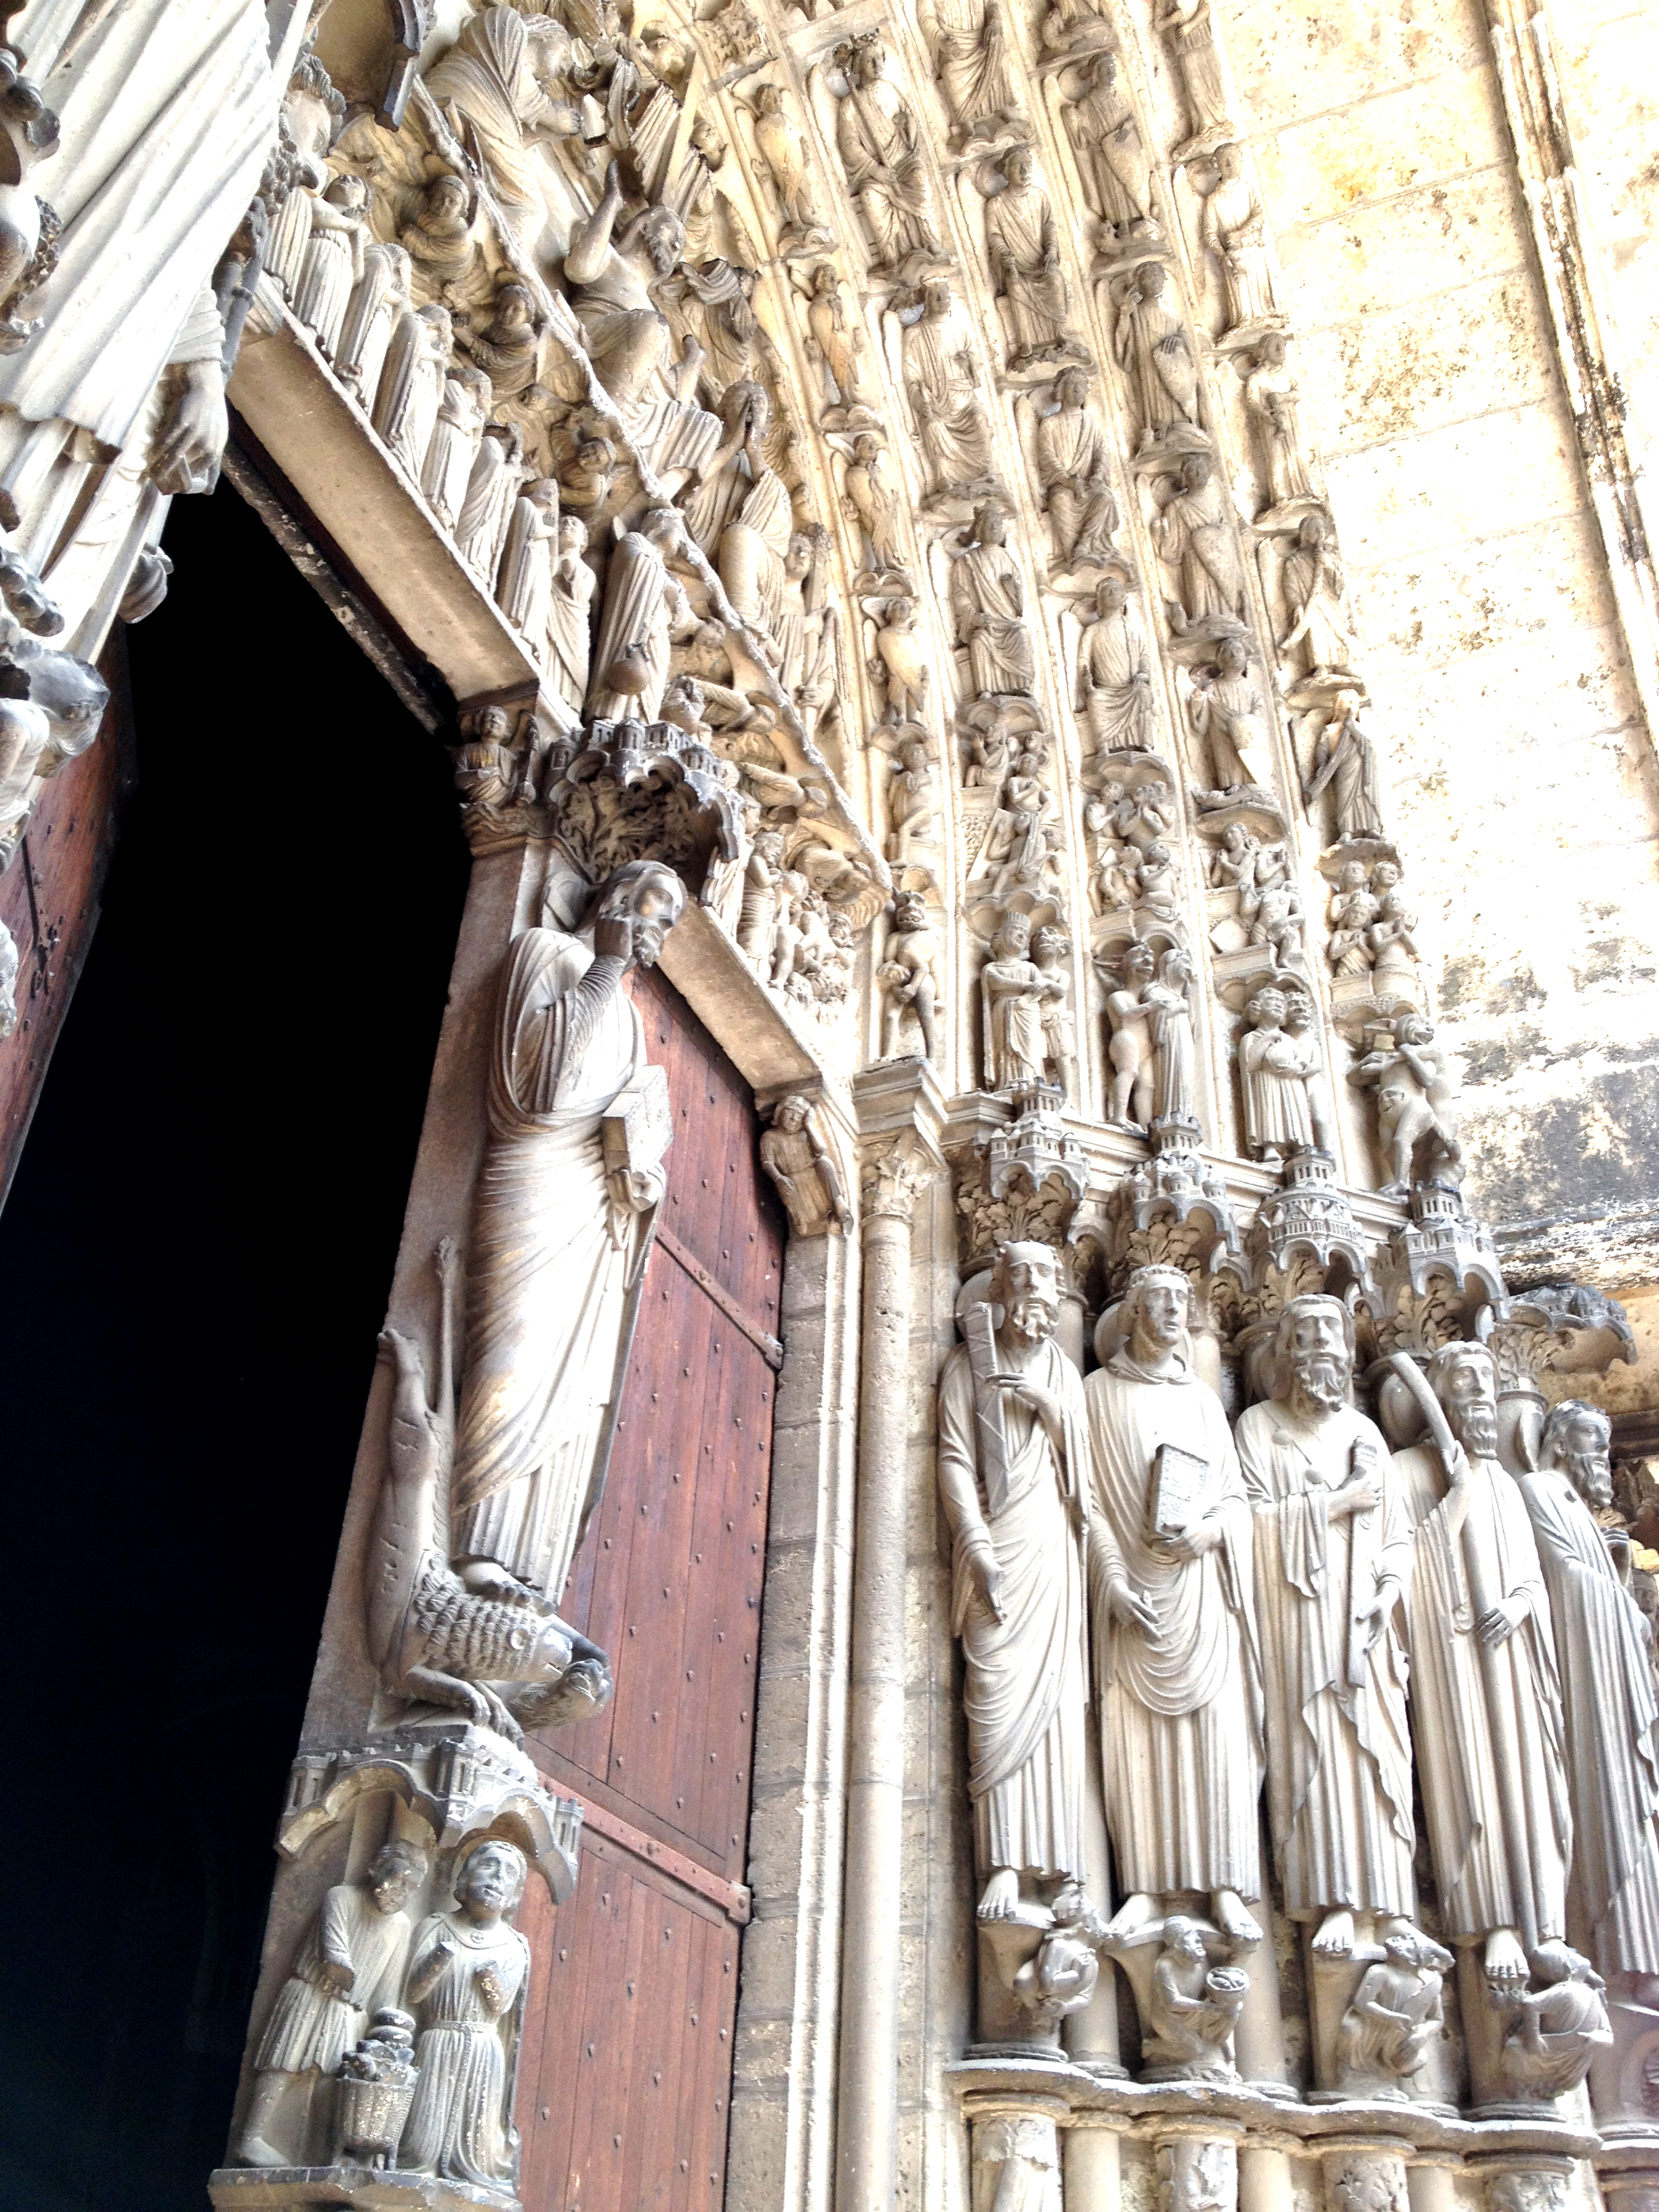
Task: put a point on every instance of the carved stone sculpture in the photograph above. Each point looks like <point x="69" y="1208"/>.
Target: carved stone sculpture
<point x="1150" y="346"/>
<point x="376" y="2089"/>
<point x="1018" y="852"/>
<point x="1117" y="177"/>
<point x="1024" y="243"/>
<point x="1396" y="2014"/>
<point x="1175" y="1665"/>
<point x="1272" y="395"/>
<point x="334" y="261"/>
<point x="439" y="237"/>
<point x="1193" y="531"/>
<point x="1226" y="711"/>
<point x="1333" y="1560"/>
<point x="349" y="1963"/>
<point x="971" y="55"/>
<point x="556" y="1219"/>
<point x="489" y="84"/>
<point x="53" y="723"/>
<point x="574" y="584"/>
<point x="876" y="502"/>
<point x="1015" y="991"/>
<point x="1485" y="1693"/>
<point x="1319" y="639"/>
<point x="1071" y="469"/>
<point x="1555" y="2027"/>
<point x="837" y="339"/>
<point x="879" y="144"/>
<point x="1414" y="1080"/>
<point x="468" y="1978"/>
<point x="900" y="662"/>
<point x="412" y="387"/>
<point x="987" y="597"/>
<point x="1013" y="1459"/>
<point x="628" y="338"/>
<point x="1195" y="1996"/>
<point x="1274" y="1073"/>
<point x="7" y="982"/>
<point x="1345" y="758"/>
<point x="908" y="975"/>
<point x="1603" y="1646"/>
<point x="1115" y="671"/>
<point x="524" y="587"/>
<point x="491" y="489"/>
<point x="645" y="609"/>
<point x="1187" y="25"/>
<point x="912" y="799"/>
<point x="795" y="1155"/>
<point x="1234" y="231"/>
<point x="1169" y="998"/>
<point x="452" y="451"/>
<point x="942" y="385"/>
<point x="784" y="151"/>
<point x="1051" y="948"/>
<point x="1129" y="1045"/>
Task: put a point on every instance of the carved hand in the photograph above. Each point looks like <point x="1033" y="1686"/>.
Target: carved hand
<point x="1191" y="1543"/>
<point x="338" y="1975"/>
<point x="1497" y="1625"/>
<point x="988" y="1577"/>
<point x="613" y="937"/>
<point x="1124" y="1602"/>
<point x="192" y="439"/>
<point x="1354" y="1497"/>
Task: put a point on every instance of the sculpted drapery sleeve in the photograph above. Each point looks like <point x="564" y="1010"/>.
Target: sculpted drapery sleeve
<point x="1338" y="1767"/>
<point x="1026" y="1687"/>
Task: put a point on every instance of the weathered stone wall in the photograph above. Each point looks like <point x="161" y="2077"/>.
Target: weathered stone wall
<point x="1521" y="764"/>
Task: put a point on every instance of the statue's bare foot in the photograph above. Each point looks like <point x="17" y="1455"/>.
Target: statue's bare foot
<point x="1232" y="1918"/>
<point x="1506" y="1962"/>
<point x="1002" y="1898"/>
<point x="1134" y="1913"/>
<point x="1336" y="1936"/>
<point x="256" y="2151"/>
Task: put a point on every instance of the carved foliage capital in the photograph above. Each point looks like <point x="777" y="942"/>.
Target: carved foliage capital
<point x="893" y="1174"/>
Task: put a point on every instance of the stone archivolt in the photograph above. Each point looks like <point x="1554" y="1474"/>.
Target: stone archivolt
<point x="865" y="480"/>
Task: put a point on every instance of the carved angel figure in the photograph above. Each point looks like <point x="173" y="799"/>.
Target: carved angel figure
<point x="837" y="339"/>
<point x="1071" y="452"/>
<point x="1150" y="346"/>
<point x="1024" y="243"/>
<point x="901" y="662"/>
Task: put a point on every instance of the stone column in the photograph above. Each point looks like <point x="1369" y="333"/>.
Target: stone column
<point x="900" y="1112"/>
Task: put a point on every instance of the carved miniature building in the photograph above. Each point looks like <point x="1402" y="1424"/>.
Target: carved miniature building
<point x="998" y="1558"/>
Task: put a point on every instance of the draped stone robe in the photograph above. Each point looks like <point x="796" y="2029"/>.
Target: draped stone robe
<point x="549" y="1263"/>
<point x="1338" y="1751"/>
<point x="986" y="581"/>
<point x="1485" y="1739"/>
<point x="1180" y="1710"/>
<point x="1020" y="226"/>
<point x="1026" y="1687"/>
<point x="1601" y="1644"/>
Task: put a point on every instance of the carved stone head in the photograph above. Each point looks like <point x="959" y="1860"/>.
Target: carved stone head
<point x="1196" y="470"/>
<point x="768" y="100"/>
<point x="1111" y="593"/>
<point x="1310" y="534"/>
<point x="1312" y="1355"/>
<point x="1577" y="1440"/>
<point x="1229" y="158"/>
<point x="1016" y="165"/>
<point x="1025" y="1284"/>
<point x="1072" y="386"/>
<point x="661" y="236"/>
<point x="647" y="896"/>
<point x="395" y="1873"/>
<point x="1465" y="1380"/>
<point x="1265" y="1009"/>
<point x="1270" y="354"/>
<point x="793" y="1113"/>
<point x="1155" y="1316"/>
<point x="1230" y="656"/>
<point x="910" y="911"/>
<point x="936" y="298"/>
<point x="491" y="1879"/>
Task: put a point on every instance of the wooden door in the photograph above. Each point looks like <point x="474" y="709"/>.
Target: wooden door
<point x="625" y="2067"/>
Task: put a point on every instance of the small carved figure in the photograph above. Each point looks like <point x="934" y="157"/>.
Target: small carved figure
<point x="1179" y="1690"/>
<point x="1603" y="1646"/>
<point x="758" y="913"/>
<point x="334" y="261"/>
<point x="1272" y="395"/>
<point x="879" y="144"/>
<point x="508" y="346"/>
<point x="645" y="610"/>
<point x="1024" y="242"/>
<point x="1062" y="1975"/>
<point x="900" y="665"/>
<point x="784" y="151"/>
<point x="378" y="303"/>
<point x="987" y="597"/>
<point x="1353" y="908"/>
<point x="1129" y="1045"/>
<point x="1415" y="1081"/>
<point x="1071" y="468"/>
<point x="1346" y="756"/>
<point x="1019" y="844"/>
<point x="586" y="475"/>
<point x="1392" y="945"/>
<point x="1193" y="531"/>
<point x="1015" y="992"/>
<point x="1302" y="1027"/>
<point x="524" y="583"/>
<point x="912" y="799"/>
<point x="491" y="489"/>
<point x="908" y="975"/>
<point x="412" y="386"/>
<point x="877" y="504"/>
<point x="1051" y="948"/>
<point x="970" y="52"/>
<point x="487" y="768"/>
<point x="574" y="584"/>
<point x="943" y="385"/>
<point x="1168" y="997"/>
<point x="1316" y="590"/>
<point x="1225" y="710"/>
<point x="1150" y="346"/>
<point x="1234" y="230"/>
<point x="1117" y="177"/>
<point x="54" y="724"/>
<point x="348" y="1962"/>
<point x="836" y="338"/>
<point x="802" y="1170"/>
<point x="1271" y="909"/>
<point x="1192" y="38"/>
<point x="1193" y="2006"/>
<point x="453" y="446"/>
<point x="1115" y="671"/>
<point x="490" y="83"/>
<point x="1556" y="2027"/>
<point x="1395" y="2016"/>
<point x="1012" y="1464"/>
<point x="439" y="238"/>
<point x="467" y="1981"/>
<point x="1276" y="1120"/>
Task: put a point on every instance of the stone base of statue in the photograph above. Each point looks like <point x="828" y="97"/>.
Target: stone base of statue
<point x="296" y="2188"/>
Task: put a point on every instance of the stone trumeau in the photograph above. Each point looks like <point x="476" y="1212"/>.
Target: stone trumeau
<point x="1045" y="626"/>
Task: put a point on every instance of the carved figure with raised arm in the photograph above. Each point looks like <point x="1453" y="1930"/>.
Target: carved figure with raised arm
<point x="1274" y="400"/>
<point x="1178" y="1675"/>
<point x="1234" y="231"/>
<point x="1320" y="640"/>
<point x="1071" y="468"/>
<point x="1015" y="991"/>
<point x="1414" y="1079"/>
<point x="557" y="1230"/>
<point x="349" y="1963"/>
<point x="1023" y="240"/>
<point x="1150" y="346"/>
<point x="795" y="1155"/>
<point x="908" y="975"/>
<point x="1395" y="2016"/>
<point x="1013" y="1474"/>
<point x="1604" y="1650"/>
<point x="1332" y="1562"/>
<point x="879" y="144"/>
<point x="1115" y="671"/>
<point x="1345" y="757"/>
<point x="987" y="596"/>
<point x="468" y="1978"/>
<point x="1486" y="1689"/>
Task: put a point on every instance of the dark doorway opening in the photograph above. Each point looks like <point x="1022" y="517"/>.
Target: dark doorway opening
<point x="193" y="1265"/>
